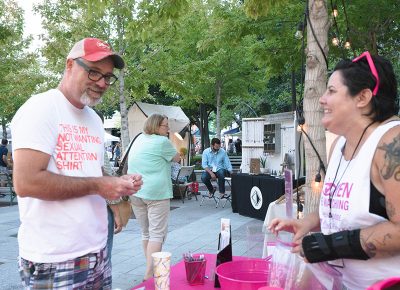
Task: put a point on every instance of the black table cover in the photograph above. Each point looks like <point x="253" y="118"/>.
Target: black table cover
<point x="271" y="189"/>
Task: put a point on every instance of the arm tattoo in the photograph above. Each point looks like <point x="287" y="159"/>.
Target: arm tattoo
<point x="392" y="159"/>
<point x="369" y="247"/>
<point x="385" y="238"/>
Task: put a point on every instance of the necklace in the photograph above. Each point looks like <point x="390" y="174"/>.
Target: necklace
<point x="332" y="194"/>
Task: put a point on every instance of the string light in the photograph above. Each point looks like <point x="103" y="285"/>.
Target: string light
<point x="318" y="178"/>
<point x="335" y="11"/>
<point x="335" y="40"/>
<point x="317" y="184"/>
<point x="300" y="29"/>
<point x="347" y="44"/>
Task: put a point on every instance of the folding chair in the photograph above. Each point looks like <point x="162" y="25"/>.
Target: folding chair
<point x="185" y="171"/>
<point x="226" y="196"/>
<point x="206" y="194"/>
<point x="218" y="199"/>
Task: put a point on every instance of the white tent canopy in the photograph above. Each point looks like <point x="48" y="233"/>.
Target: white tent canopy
<point x="138" y="113"/>
<point x="113" y="122"/>
<point x="108" y="138"/>
<point x="177" y="120"/>
<point x="8" y="133"/>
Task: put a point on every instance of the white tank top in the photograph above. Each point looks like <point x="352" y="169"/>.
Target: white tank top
<point x="350" y="208"/>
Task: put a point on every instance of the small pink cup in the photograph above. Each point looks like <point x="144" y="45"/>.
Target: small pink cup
<point x="195" y="271"/>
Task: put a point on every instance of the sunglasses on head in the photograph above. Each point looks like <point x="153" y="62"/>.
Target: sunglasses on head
<point x="371" y="67"/>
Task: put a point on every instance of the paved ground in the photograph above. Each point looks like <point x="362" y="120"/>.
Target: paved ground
<point x="192" y="228"/>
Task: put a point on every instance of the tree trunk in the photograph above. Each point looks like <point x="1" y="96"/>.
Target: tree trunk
<point x="204" y="131"/>
<point x="124" y="111"/>
<point x="315" y="85"/>
<point x="218" y="87"/>
<point x="122" y="100"/>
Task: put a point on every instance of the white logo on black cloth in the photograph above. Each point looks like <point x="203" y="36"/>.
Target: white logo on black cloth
<point x="256" y="197"/>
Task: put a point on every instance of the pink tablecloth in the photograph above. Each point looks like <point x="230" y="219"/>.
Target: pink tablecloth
<point x="178" y="276"/>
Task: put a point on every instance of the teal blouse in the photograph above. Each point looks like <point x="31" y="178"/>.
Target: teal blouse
<point x="151" y="157"/>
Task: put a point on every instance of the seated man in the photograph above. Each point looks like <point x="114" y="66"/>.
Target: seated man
<point x="216" y="164"/>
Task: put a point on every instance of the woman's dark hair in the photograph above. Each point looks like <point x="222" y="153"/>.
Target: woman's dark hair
<point x="358" y="76"/>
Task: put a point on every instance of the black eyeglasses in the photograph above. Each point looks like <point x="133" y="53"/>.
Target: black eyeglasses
<point x="95" y="75"/>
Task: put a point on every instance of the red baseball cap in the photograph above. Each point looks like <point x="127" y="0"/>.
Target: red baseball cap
<point x="93" y="49"/>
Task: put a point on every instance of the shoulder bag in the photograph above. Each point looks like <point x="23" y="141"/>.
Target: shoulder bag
<point x="124" y="206"/>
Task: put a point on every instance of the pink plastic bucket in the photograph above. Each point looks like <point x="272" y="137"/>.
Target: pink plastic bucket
<point x="249" y="274"/>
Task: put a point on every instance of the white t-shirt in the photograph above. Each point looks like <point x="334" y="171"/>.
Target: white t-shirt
<point x="56" y="231"/>
<point x="350" y="209"/>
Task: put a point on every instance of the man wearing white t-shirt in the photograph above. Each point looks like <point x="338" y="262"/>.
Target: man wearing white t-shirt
<point x="58" y="158"/>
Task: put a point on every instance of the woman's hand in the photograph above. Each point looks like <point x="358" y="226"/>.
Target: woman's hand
<point x="117" y="224"/>
<point x="299" y="227"/>
<point x="289" y="225"/>
<point x="117" y="218"/>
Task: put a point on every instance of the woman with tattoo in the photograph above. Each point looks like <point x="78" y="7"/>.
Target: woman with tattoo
<point x="357" y="228"/>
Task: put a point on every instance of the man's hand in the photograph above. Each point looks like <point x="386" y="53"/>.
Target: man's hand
<point x="136" y="180"/>
<point x="213" y="176"/>
<point x="112" y="188"/>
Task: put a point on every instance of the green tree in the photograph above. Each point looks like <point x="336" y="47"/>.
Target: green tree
<point x="20" y="75"/>
<point x="378" y="32"/>
<point x="66" y="22"/>
<point x="204" y="56"/>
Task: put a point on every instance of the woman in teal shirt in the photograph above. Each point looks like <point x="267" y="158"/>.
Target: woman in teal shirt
<point x="151" y="156"/>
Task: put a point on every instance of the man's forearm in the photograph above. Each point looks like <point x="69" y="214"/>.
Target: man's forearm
<point x="50" y="186"/>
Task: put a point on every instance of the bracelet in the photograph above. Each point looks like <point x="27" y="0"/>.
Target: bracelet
<point x="113" y="202"/>
<point x="318" y="247"/>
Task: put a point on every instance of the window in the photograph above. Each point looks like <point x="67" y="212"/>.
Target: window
<point x="272" y="138"/>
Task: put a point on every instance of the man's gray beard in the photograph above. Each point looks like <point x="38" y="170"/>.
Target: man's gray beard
<point x="88" y="101"/>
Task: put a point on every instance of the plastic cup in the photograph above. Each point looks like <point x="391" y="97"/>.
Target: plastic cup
<point x="254" y="241"/>
<point x="161" y="269"/>
<point x="195" y="271"/>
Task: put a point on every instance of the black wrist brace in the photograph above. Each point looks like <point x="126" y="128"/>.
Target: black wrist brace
<point x="345" y="244"/>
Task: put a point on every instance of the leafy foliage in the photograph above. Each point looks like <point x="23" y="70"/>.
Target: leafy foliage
<point x="20" y="74"/>
<point x="177" y="51"/>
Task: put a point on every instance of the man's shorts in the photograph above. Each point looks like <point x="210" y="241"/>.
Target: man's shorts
<point x="92" y="271"/>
